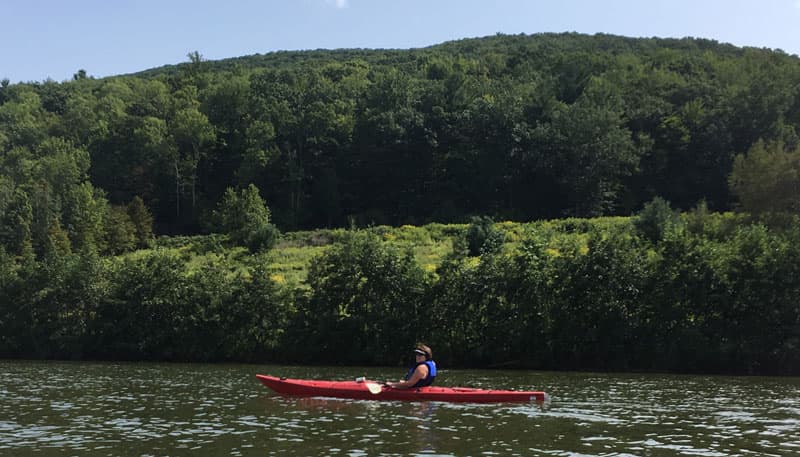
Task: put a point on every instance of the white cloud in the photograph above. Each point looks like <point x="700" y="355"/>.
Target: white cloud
<point x="340" y="4"/>
<point x="797" y="4"/>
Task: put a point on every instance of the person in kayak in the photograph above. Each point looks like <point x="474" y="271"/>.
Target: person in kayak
<point x="423" y="373"/>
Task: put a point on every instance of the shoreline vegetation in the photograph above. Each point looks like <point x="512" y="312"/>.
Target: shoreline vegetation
<point x="548" y="201"/>
<point x="692" y="293"/>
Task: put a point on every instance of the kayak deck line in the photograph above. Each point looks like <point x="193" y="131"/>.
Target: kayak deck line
<point x="371" y="390"/>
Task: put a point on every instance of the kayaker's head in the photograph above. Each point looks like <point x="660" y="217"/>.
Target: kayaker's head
<point x="423" y="351"/>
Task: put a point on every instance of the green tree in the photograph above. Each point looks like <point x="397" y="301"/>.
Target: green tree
<point x="23" y="121"/>
<point x="656" y="219"/>
<point x="237" y="316"/>
<point x="313" y="119"/>
<point x="365" y="302"/>
<point x="590" y="149"/>
<point x="474" y="316"/>
<point x="11" y="323"/>
<point x="16" y="219"/>
<point x="80" y="121"/>
<point x="66" y="290"/>
<point x="58" y="243"/>
<point x="144" y="314"/>
<point x="120" y="231"/>
<point x="160" y="182"/>
<point x="593" y="295"/>
<point x="246" y="218"/>
<point x="767" y="178"/>
<point x="482" y="238"/>
<point x="193" y="134"/>
<point x="260" y="150"/>
<point x="142" y="222"/>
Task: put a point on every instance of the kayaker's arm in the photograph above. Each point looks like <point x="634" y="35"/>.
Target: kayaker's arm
<point x="419" y="373"/>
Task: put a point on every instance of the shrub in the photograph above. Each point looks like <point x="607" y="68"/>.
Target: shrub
<point x="262" y="238"/>
<point x="656" y="219"/>
<point x="482" y="237"/>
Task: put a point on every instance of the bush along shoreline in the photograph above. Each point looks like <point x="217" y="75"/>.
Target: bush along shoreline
<point x="696" y="292"/>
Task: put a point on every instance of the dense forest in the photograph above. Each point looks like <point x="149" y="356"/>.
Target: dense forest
<point x="517" y="127"/>
<point x="103" y="180"/>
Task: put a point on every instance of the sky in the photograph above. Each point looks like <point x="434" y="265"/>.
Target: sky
<point x="53" y="39"/>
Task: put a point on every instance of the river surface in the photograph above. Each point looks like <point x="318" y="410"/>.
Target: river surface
<point x="121" y="409"/>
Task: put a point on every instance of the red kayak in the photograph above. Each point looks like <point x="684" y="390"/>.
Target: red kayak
<point x="369" y="390"/>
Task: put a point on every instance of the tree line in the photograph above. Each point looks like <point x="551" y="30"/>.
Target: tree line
<point x="698" y="292"/>
<point x="517" y="127"/>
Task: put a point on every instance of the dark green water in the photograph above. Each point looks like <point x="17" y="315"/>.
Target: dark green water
<point x="105" y="409"/>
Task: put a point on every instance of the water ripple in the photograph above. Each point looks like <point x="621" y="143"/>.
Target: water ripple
<point x="152" y="409"/>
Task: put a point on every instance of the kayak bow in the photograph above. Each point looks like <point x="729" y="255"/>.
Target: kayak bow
<point x="366" y="390"/>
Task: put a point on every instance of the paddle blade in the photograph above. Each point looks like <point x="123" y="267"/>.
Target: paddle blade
<point x="373" y="387"/>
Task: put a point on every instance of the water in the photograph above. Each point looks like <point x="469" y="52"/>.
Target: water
<point x="105" y="409"/>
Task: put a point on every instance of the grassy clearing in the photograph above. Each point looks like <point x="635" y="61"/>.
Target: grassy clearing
<point x="430" y="244"/>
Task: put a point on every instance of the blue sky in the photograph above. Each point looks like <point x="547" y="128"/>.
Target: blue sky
<point x="42" y="39"/>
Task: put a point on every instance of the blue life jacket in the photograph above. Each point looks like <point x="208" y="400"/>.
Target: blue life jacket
<point x="427" y="380"/>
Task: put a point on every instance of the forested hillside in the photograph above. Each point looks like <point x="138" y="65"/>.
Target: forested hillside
<point x="518" y="127"/>
<point x="141" y="215"/>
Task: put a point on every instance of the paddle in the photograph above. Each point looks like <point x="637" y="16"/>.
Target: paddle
<point x="373" y="387"/>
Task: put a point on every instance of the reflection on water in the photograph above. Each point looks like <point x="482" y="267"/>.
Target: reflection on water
<point x="207" y="410"/>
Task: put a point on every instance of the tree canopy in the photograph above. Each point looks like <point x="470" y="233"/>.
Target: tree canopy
<point x="516" y="127"/>
<point x="767" y="179"/>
